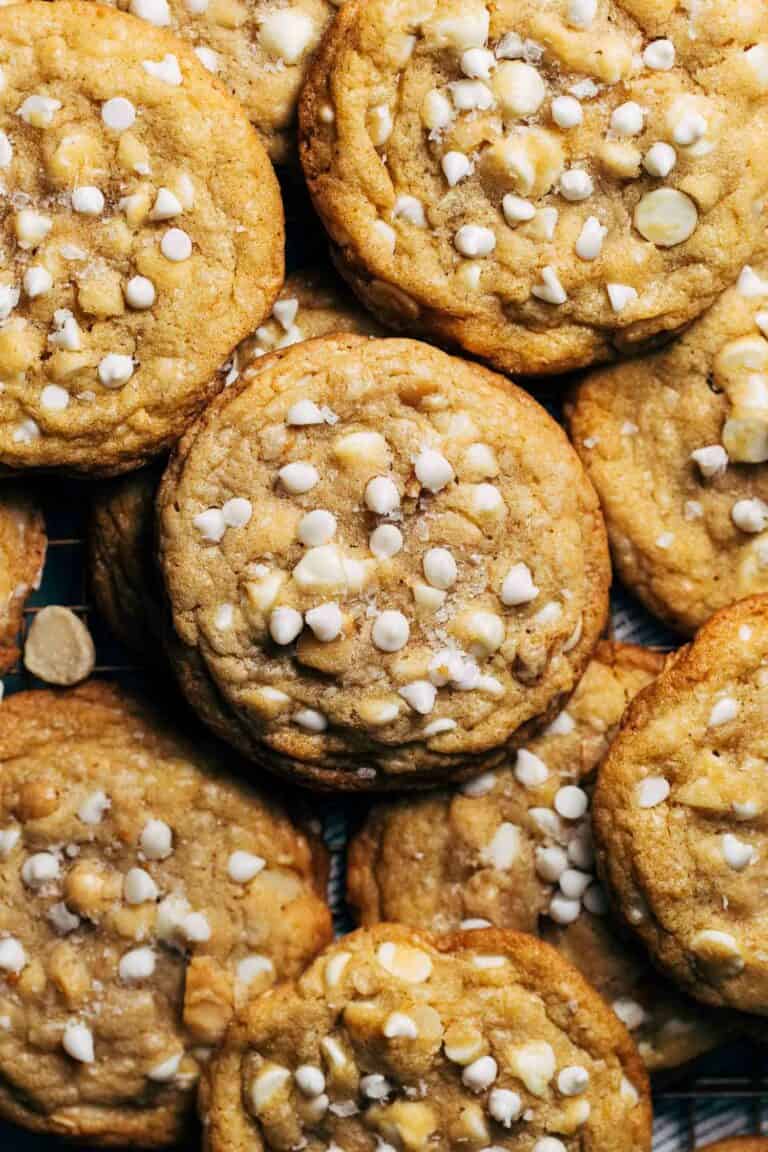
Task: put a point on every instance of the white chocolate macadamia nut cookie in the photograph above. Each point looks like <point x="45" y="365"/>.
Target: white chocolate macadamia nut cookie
<point x="680" y="813"/>
<point x="386" y="561"/>
<point x="141" y="230"/>
<point x="395" y="1038"/>
<point x="677" y="447"/>
<point x="258" y="49"/>
<point x="143" y="898"/>
<point x="513" y="849"/>
<point x="545" y="183"/>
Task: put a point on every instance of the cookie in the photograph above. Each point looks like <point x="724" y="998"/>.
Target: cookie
<point x="546" y="185"/>
<point x="22" y="555"/>
<point x="397" y="1038"/>
<point x="739" y="1144"/>
<point x="122" y="522"/>
<point x="121" y="547"/>
<point x="388" y="562"/>
<point x="143" y="234"/>
<point x="677" y="445"/>
<point x="258" y="51"/>
<point x="493" y="853"/>
<point x="678" y="813"/>
<point x="144" y="897"/>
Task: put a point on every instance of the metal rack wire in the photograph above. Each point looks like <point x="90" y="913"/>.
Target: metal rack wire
<point x="725" y="1094"/>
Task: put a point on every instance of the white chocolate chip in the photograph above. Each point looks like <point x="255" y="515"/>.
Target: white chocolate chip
<point x="40" y="869"/>
<point x="285" y="624"/>
<point x="287" y="34"/>
<point x="404" y="962"/>
<point x="12" y="955"/>
<point x="39" y="111"/>
<point x="390" y="631"/>
<point x="93" y="808"/>
<point x="115" y="370"/>
<point x="326" y="621"/>
<point x="652" y="791"/>
<point x="573" y="1080"/>
<point x="628" y="119"/>
<point x="316" y="528"/>
<point x="517" y="210"/>
<point x="154" y="12"/>
<point x="455" y="167"/>
<point x="210" y="524"/>
<point x="550" y="290"/>
<point x="37" y="281"/>
<point x="77" y="1042"/>
<point x="571" y="802"/>
<point x="470" y="95"/>
<point x="563" y="910"/>
<point x="399" y="1025"/>
<point x="474" y="240"/>
<point x="6" y="151"/>
<point x="581" y="13"/>
<point x="737" y="854"/>
<point x="88" y="201"/>
<point x="689" y="129"/>
<point x="576" y="185"/>
<point x="310" y="720"/>
<point x="165" y="1071"/>
<point x="551" y="863"/>
<point x="659" y="160"/>
<point x="156" y="840"/>
<point x="750" y="515"/>
<point x="140" y="293"/>
<point x="385" y="541"/>
<point x="54" y="398"/>
<point x="118" y="114"/>
<point x="719" y="948"/>
<point x="659" y="55"/>
<point x="750" y="284"/>
<point x="9" y="838"/>
<point x="207" y="57"/>
<point x="530" y="771"/>
<point x="237" y="512"/>
<point x="381" y="496"/>
<point x="567" y="112"/>
<point x="270" y="1080"/>
<point x="166" y="205"/>
<point x="139" y="964"/>
<point x="621" y="296"/>
<point x="31" y="228"/>
<point x="712" y="460"/>
<point x="590" y="242"/>
<point x="420" y="695"/>
<point x="480" y="1074"/>
<point x="298" y="477"/>
<point x="243" y="866"/>
<point x="410" y="209"/>
<point x="440" y="568"/>
<point x="504" y="848"/>
<point x="176" y="245"/>
<point x="196" y="928"/>
<point x="432" y="470"/>
<point x="534" y="1064"/>
<point x="139" y="887"/>
<point x="167" y="70"/>
<point x="518" y="586"/>
<point x="310" y="1080"/>
<point x="723" y="711"/>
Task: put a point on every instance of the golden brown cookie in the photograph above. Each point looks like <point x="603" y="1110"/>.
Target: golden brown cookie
<point x="143" y="236"/>
<point x="121" y="555"/>
<point x="677" y="446"/>
<point x="679" y="813"/>
<point x="125" y="584"/>
<point x="387" y="561"/>
<point x="22" y="555"/>
<point x="543" y="184"/>
<point x="395" y="1038"/>
<point x="258" y="50"/>
<point x="504" y="851"/>
<point x="144" y="897"/>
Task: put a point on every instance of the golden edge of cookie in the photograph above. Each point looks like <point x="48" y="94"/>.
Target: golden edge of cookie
<point x="115" y="462"/>
<point x="513" y="348"/>
<point x="643" y="573"/>
<point x="227" y="1127"/>
<point x="26" y="572"/>
<point x="686" y="670"/>
<point x="202" y="691"/>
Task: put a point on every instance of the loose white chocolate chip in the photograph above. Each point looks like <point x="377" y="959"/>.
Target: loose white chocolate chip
<point x="571" y="802"/>
<point x="581" y="13"/>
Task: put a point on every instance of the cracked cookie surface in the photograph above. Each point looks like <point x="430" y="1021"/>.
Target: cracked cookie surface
<point x="542" y="182"/>
<point x="398" y="1038"/>
<point x="513" y="849"/>
<point x="387" y="561"/>
<point x="144" y="896"/>
<point x="677" y="446"/>
<point x="142" y="236"/>
<point x="679" y="813"/>
<point x="22" y="555"/>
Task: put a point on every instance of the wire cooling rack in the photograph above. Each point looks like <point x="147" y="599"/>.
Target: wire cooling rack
<point x="725" y="1094"/>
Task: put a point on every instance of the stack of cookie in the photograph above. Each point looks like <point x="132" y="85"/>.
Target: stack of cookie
<point x="373" y="564"/>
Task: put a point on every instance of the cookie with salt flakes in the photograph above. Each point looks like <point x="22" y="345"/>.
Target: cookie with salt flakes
<point x="385" y="560"/>
<point x="143" y="235"/>
<point x="546" y="185"/>
<point x="144" y="897"/>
